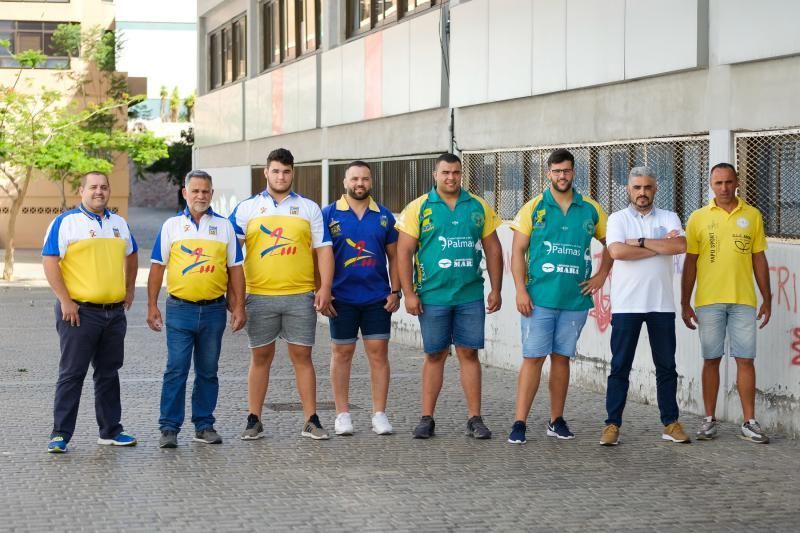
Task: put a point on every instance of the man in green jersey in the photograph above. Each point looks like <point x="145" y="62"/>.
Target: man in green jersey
<point x="551" y="261"/>
<point x="444" y="232"/>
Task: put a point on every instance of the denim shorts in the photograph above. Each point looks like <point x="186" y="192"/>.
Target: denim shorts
<point x="443" y="325"/>
<point x="373" y="320"/>
<point x="291" y="317"/>
<point x="550" y="330"/>
<point x="740" y="322"/>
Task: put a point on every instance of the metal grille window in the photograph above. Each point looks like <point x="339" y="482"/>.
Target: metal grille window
<point x="395" y="182"/>
<point x="509" y="178"/>
<point x="769" y="178"/>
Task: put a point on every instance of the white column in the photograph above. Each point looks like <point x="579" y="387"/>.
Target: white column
<point x="326" y="178"/>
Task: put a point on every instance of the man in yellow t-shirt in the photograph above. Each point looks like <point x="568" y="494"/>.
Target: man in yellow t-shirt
<point x="90" y="260"/>
<point x="725" y="246"/>
<point x="201" y="255"/>
<point x="283" y="234"/>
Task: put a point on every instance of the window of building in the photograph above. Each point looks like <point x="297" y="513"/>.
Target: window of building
<point x="25" y="35"/>
<point x="364" y="15"/>
<point x="290" y="29"/>
<point x="227" y="53"/>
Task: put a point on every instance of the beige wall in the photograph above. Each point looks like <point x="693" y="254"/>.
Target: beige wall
<point x="44" y="197"/>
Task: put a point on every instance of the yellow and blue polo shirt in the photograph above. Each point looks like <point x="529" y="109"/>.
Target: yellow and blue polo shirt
<point x="278" y="240"/>
<point x="559" y="252"/>
<point x="359" y="249"/>
<point x="448" y="257"/>
<point x="197" y="255"/>
<point x="92" y="249"/>
<point x="725" y="243"/>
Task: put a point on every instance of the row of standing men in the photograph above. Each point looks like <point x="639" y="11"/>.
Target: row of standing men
<point x="354" y="263"/>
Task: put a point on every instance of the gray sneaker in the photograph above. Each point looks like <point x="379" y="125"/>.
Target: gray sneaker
<point x="208" y="436"/>
<point x="751" y="431"/>
<point x="313" y="429"/>
<point x="477" y="429"/>
<point x="254" y="428"/>
<point x="169" y="439"/>
<point x="708" y="430"/>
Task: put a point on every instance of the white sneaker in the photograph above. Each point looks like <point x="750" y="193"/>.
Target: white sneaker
<point x="381" y="425"/>
<point x="343" y="425"/>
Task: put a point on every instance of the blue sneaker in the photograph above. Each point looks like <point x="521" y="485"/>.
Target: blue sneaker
<point x="122" y="439"/>
<point x="57" y="445"/>
<point x="517" y="435"/>
<point x="559" y="428"/>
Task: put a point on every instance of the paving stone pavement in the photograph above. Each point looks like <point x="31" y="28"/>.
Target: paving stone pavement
<point x="364" y="482"/>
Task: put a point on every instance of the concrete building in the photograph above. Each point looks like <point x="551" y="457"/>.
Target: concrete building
<point x="30" y="25"/>
<point x="675" y="84"/>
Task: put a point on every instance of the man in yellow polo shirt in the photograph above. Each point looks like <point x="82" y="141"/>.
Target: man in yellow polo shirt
<point x="90" y="261"/>
<point x="725" y="246"/>
<point x="283" y="235"/>
<point x="203" y="259"/>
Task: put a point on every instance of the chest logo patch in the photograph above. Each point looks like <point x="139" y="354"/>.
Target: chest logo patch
<point x="384" y="221"/>
<point x="335" y="228"/>
<point x="363" y="257"/>
<point x="116" y="233"/>
<point x="538" y="219"/>
<point x="199" y="263"/>
<point x="742" y="222"/>
<point x="588" y="226"/>
<point x="212" y="230"/>
<point x="294" y="211"/>
<point x="477" y="219"/>
<point x="282" y="246"/>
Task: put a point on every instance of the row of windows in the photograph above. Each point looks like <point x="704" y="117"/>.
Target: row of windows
<point x="227" y="53"/>
<point x="27" y="35"/>
<point x="291" y="29"/>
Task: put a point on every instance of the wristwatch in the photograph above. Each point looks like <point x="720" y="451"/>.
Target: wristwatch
<point x="398" y="293"/>
<point x="641" y="242"/>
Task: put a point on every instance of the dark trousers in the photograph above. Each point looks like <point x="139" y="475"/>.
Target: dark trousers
<point x="99" y="341"/>
<point x="625" y="329"/>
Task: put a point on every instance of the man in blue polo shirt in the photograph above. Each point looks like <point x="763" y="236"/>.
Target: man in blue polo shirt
<point x="90" y="260"/>
<point x="364" y="237"/>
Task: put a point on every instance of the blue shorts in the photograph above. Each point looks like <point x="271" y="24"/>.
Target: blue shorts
<point x="549" y="331"/>
<point x="737" y="319"/>
<point x="373" y="320"/>
<point x="443" y="325"/>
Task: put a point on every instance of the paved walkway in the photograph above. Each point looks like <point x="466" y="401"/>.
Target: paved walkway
<point x="363" y="482"/>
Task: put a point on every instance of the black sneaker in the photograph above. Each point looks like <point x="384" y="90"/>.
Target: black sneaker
<point x="476" y="428"/>
<point x="558" y="428"/>
<point x="424" y="429"/>
<point x="169" y="439"/>
<point x="254" y="428"/>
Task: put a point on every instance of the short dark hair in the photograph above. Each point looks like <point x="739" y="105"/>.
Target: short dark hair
<point x="724" y="165"/>
<point x="447" y="157"/>
<point x="357" y="163"/>
<point x="97" y="172"/>
<point x="282" y="156"/>
<point x="559" y="156"/>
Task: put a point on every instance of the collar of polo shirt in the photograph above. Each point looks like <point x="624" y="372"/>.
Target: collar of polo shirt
<point x="342" y="205"/>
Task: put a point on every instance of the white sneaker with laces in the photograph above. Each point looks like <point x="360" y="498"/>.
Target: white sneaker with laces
<point x="343" y="425"/>
<point x="381" y="425"/>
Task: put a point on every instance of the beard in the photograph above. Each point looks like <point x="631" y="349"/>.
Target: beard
<point x="358" y="194"/>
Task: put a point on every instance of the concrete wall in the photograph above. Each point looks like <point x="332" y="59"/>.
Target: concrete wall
<point x="777" y="363"/>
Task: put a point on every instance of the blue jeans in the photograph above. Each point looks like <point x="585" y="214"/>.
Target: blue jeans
<point x="191" y="329"/>
<point x="460" y="324"/>
<point x="625" y="328"/>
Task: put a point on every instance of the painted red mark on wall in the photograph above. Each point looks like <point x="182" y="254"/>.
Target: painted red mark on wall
<point x="796" y="346"/>
<point x="602" y="302"/>
<point x="786" y="288"/>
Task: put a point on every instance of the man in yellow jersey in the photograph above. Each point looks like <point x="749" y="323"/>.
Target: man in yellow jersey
<point x="203" y="259"/>
<point x="725" y="245"/>
<point x="441" y="235"/>
<point x="283" y="234"/>
<point x="90" y="261"/>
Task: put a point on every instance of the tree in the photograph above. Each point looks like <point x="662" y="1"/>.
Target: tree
<point x="174" y="105"/>
<point x="42" y="132"/>
<point x="164" y="113"/>
<point x="189" y="103"/>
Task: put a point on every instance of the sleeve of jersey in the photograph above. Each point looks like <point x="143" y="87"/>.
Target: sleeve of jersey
<point x="490" y="220"/>
<point x="132" y="247"/>
<point x="602" y="221"/>
<point x="235" y="256"/>
<point x="759" y="238"/>
<point x="160" y="253"/>
<point x="408" y="221"/>
<point x="615" y="229"/>
<point x="523" y="222"/>
<point x="391" y="228"/>
<point x="692" y="243"/>
<point x="239" y="219"/>
<point x="319" y="232"/>
<point x="52" y="243"/>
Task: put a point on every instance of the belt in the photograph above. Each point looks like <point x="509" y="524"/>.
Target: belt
<point x="105" y="307"/>
<point x="199" y="302"/>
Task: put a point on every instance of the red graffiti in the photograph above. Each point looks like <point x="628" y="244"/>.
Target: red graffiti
<point x="602" y="303"/>
<point x="785" y="292"/>
<point x="796" y="346"/>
